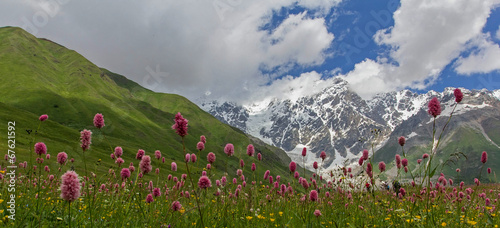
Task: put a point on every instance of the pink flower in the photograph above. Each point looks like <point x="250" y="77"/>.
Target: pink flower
<point x="163" y="160"/>
<point x="365" y="155"/>
<point x="419" y="161"/>
<point x="458" y="95"/>
<point x="173" y="166"/>
<point x="434" y="107"/>
<point x="424" y="156"/>
<point x="239" y="172"/>
<point x="119" y="161"/>
<point x="266" y="174"/>
<point x="317" y="213"/>
<point x="292" y="167"/>
<point x="304" y="151"/>
<point x="125" y="173"/>
<point x="484" y="157"/>
<point x="112" y="155"/>
<point x="149" y="198"/>
<point x="296" y="175"/>
<point x="402" y="191"/>
<point x="145" y="164"/>
<point x="398" y="160"/>
<point x="140" y="154"/>
<point x="369" y="169"/>
<point x="200" y="146"/>
<point x="85" y="139"/>
<point x="70" y="186"/>
<point x="489" y="170"/>
<point x="131" y="167"/>
<point x="203" y="139"/>
<point x="259" y="157"/>
<point x="250" y="150"/>
<point x="157" y="154"/>
<point x="187" y="158"/>
<point x="62" y="157"/>
<point x="181" y="125"/>
<point x="402" y="140"/>
<point x="381" y="166"/>
<point x="313" y="195"/>
<point x="211" y="157"/>
<point x="458" y="170"/>
<point x="254" y="167"/>
<point x="118" y="151"/>
<point x="322" y="155"/>
<point x="193" y="158"/>
<point x="404" y="162"/>
<point x="43" y="117"/>
<point x="47" y="156"/>
<point x="315" y="165"/>
<point x="176" y="206"/>
<point x="242" y="163"/>
<point x="156" y="192"/>
<point x="204" y="182"/>
<point x="229" y="149"/>
<point x="98" y="120"/>
<point x="360" y="161"/>
<point x="46" y="168"/>
<point x="40" y="148"/>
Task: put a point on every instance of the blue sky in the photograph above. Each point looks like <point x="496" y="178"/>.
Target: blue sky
<point x="248" y="51"/>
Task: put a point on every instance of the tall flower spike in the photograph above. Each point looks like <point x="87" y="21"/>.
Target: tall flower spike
<point x="304" y="152"/>
<point x="434" y="107"/>
<point x="85" y="139"/>
<point x="250" y="150"/>
<point x="145" y="164"/>
<point x="70" y="186"/>
<point x="181" y="125"/>
<point x="458" y="95"/>
<point x="484" y="157"/>
<point x="229" y="149"/>
<point x="98" y="120"/>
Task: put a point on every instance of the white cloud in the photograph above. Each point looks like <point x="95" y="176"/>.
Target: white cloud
<point x="206" y="47"/>
<point x="426" y="37"/>
<point x="483" y="60"/>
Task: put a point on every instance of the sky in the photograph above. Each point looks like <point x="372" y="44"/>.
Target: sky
<point x="246" y="51"/>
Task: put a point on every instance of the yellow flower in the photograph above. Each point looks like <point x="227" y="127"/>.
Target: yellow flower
<point x="182" y="210"/>
<point x="387" y="219"/>
<point x="281" y="213"/>
<point x="472" y="222"/>
<point x="272" y="220"/>
<point x="249" y="217"/>
<point x="1" y="200"/>
<point x="271" y="214"/>
<point x="443" y="224"/>
<point x="1" y="211"/>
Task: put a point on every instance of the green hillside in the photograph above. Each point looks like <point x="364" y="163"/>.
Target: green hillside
<point x="38" y="76"/>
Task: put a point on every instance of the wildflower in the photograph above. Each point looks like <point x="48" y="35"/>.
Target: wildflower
<point x="404" y="162"/>
<point x="250" y="150"/>
<point x="70" y="186"/>
<point x="157" y="154"/>
<point x="296" y="175"/>
<point x="313" y="195"/>
<point x="369" y="169"/>
<point x="239" y="172"/>
<point x="46" y="168"/>
<point x="112" y="155"/>
<point x="360" y="161"/>
<point x="149" y="198"/>
<point x="203" y="139"/>
<point x="317" y="213"/>
<point x="402" y="191"/>
<point x="40" y="148"/>
<point x="163" y="160"/>
<point x="62" y="157"/>
<point x="98" y="120"/>
<point x="315" y="165"/>
<point x="125" y="173"/>
<point x="292" y="167"/>
<point x="211" y="157"/>
<point x="458" y="170"/>
<point x="419" y="161"/>
<point x="476" y="181"/>
<point x="434" y="107"/>
<point x="484" y="157"/>
<point x="140" y="154"/>
<point x="173" y="166"/>
<point x="398" y="161"/>
<point x="176" y="206"/>
<point x="242" y="163"/>
<point x="322" y="155"/>
<point x="259" y="157"/>
<point x="145" y="164"/>
<point x="402" y="140"/>
<point x="443" y="224"/>
<point x="131" y="167"/>
<point x="119" y="161"/>
<point x="424" y="156"/>
<point x="489" y="170"/>
<point x="200" y="146"/>
<point x="229" y="149"/>
<point x="458" y="95"/>
<point x="365" y="155"/>
<point x="43" y="117"/>
<point x="254" y="167"/>
<point x="118" y="151"/>
<point x="266" y="174"/>
<point x="381" y="166"/>
<point x="193" y="158"/>
<point x="181" y="125"/>
<point x="304" y="151"/>
<point x="156" y="192"/>
<point x="204" y="182"/>
<point x="187" y="158"/>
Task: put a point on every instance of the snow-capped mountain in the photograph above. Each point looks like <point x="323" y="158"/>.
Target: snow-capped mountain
<point x="339" y="122"/>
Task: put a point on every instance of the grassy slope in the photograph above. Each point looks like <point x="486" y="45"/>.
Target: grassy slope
<point x="38" y="76"/>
